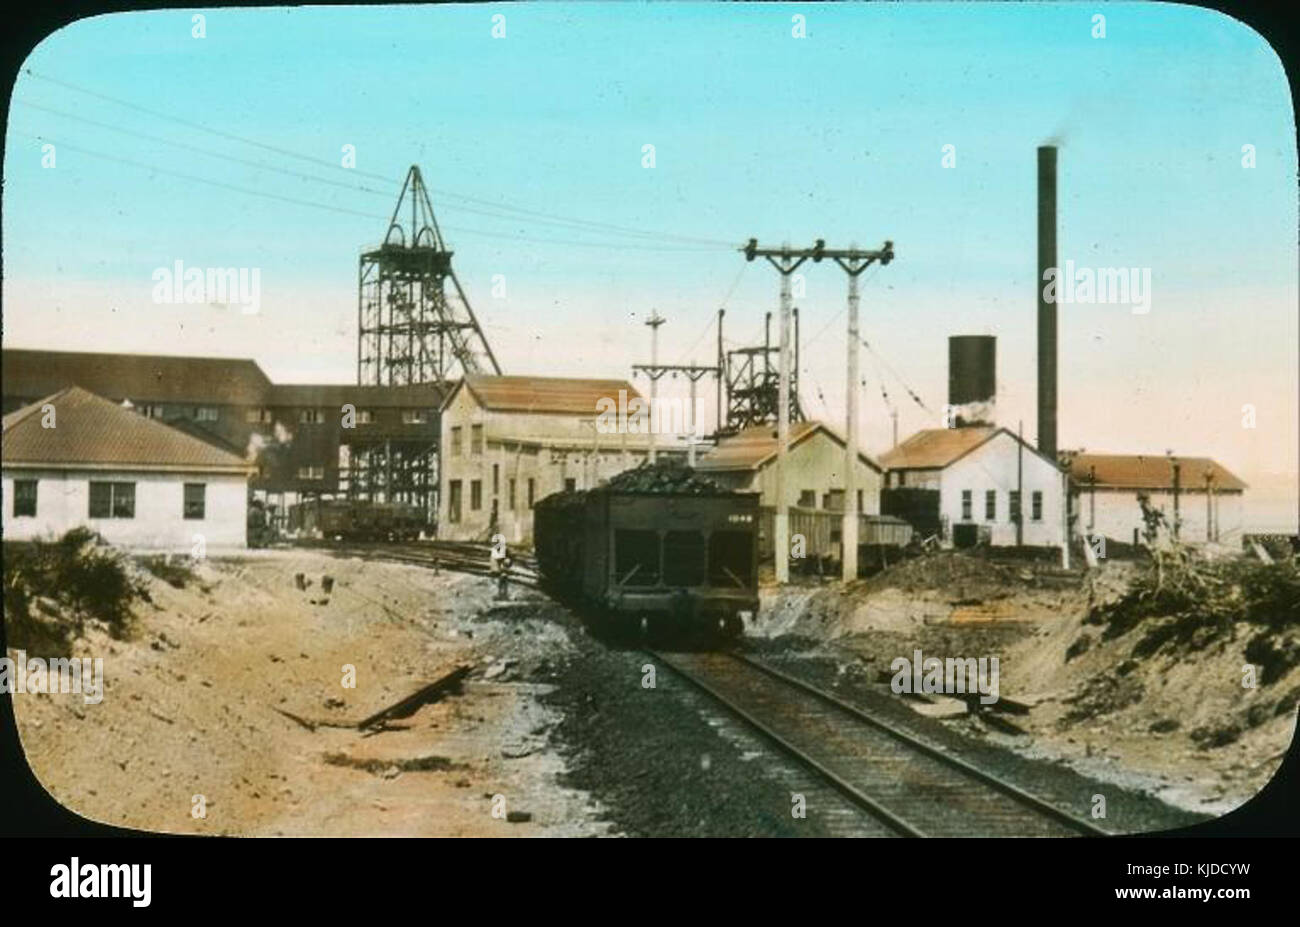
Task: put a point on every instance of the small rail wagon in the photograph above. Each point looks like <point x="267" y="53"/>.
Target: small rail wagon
<point x="358" y="520"/>
<point x="642" y="554"/>
<point x="881" y="538"/>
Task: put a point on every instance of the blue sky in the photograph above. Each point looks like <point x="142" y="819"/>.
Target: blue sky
<point x="838" y="135"/>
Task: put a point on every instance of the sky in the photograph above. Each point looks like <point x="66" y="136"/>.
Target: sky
<point x="227" y="150"/>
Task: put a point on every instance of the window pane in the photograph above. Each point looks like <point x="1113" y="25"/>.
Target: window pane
<point x="475" y="495"/>
<point x="101" y="500"/>
<point x="453" y="501"/>
<point x="24" y="497"/>
<point x="195" y="494"/>
<point x="123" y="500"/>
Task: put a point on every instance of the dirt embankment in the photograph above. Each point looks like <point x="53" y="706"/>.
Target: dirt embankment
<point x="190" y="701"/>
<point x="1156" y="704"/>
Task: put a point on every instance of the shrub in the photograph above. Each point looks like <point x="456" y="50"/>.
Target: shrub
<point x="51" y="588"/>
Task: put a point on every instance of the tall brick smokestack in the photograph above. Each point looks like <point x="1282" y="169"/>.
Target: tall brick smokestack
<point x="1046" y="310"/>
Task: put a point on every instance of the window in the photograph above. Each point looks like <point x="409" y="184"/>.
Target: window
<point x="530" y="492"/>
<point x="475" y="495"/>
<point x="206" y="414"/>
<point x="1036" y="506"/>
<point x="833" y="501"/>
<point x="257" y="416"/>
<point x="991" y="505"/>
<point x="496" y="479"/>
<point x="965" y="504"/>
<point x="112" y="500"/>
<point x="415" y="417"/>
<point x="24" y="498"/>
<point x="194" y="500"/>
<point x="365" y="417"/>
<point x="684" y="558"/>
<point x="476" y="440"/>
<point x="860" y="501"/>
<point x="453" y="501"/>
<point x="311" y="472"/>
<point x="151" y="411"/>
<point x="1015" y="505"/>
<point x="311" y="416"/>
<point x="455" y="440"/>
<point x="570" y="484"/>
<point x="512" y="493"/>
<point x="808" y="498"/>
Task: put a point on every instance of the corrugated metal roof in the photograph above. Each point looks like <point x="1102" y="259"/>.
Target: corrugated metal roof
<point x="752" y="447"/>
<point x="936" y="447"/>
<point x="1138" y="471"/>
<point x="142" y="378"/>
<point x="92" y="431"/>
<point x="545" y="394"/>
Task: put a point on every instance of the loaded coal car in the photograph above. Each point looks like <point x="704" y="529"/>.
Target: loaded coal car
<point x="658" y="549"/>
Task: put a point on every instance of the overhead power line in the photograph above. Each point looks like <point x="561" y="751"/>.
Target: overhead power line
<point x="462" y="230"/>
<point x="511" y="211"/>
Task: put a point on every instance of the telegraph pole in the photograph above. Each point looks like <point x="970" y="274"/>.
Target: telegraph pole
<point x="692" y="372"/>
<point x="786" y="260"/>
<point x="654" y="322"/>
<point x="853" y="262"/>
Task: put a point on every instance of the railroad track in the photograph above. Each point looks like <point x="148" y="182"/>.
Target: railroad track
<point x="914" y="788"/>
<point x="457" y="556"/>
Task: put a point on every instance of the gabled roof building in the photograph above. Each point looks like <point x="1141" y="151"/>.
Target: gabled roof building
<point x="74" y="458"/>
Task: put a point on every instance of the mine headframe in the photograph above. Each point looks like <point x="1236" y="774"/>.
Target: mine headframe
<point x="753" y="383"/>
<point x="415" y="323"/>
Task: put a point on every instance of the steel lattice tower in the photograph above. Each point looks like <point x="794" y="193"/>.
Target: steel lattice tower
<point x="414" y="328"/>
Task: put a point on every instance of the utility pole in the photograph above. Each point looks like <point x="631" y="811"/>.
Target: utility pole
<point x="717" y="431"/>
<point x="1065" y="520"/>
<point x="1209" y="515"/>
<point x="893" y="414"/>
<point x="692" y="372"/>
<point x="1177" y="476"/>
<point x="853" y="262"/>
<point x="654" y="322"/>
<point x="1092" y="496"/>
<point x="1020" y="483"/>
<point x="786" y="260"/>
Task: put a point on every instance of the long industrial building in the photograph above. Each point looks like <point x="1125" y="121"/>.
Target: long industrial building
<point x="297" y="436"/>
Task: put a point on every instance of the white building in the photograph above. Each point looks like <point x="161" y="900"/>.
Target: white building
<point x="1104" y="490"/>
<point x="508" y="442"/>
<point x="814" y="477"/>
<point x="968" y="484"/>
<point x="75" y="458"/>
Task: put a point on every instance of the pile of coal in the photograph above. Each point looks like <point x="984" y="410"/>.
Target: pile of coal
<point x="670" y="477"/>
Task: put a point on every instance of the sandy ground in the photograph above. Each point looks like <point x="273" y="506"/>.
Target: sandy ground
<point x="190" y="699"/>
<point x="1101" y="713"/>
